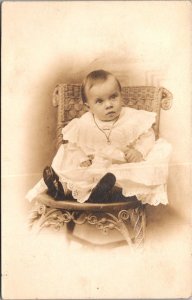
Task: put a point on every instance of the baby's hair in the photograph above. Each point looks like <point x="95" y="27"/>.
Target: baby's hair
<point x="95" y="77"/>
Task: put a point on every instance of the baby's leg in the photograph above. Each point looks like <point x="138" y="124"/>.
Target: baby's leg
<point x="106" y="191"/>
<point x="100" y="194"/>
<point x="55" y="188"/>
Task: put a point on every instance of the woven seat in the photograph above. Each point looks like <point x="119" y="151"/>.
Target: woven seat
<point x="51" y="213"/>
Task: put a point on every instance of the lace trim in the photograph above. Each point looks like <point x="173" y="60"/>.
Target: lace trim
<point x="159" y="198"/>
<point x="148" y="195"/>
<point x="79" y="194"/>
<point x="153" y="196"/>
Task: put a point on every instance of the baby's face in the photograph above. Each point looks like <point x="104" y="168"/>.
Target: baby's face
<point x="104" y="100"/>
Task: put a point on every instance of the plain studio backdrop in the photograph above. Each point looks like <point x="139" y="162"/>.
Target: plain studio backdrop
<point x="46" y="43"/>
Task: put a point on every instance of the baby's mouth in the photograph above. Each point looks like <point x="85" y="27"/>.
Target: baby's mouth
<point x="111" y="113"/>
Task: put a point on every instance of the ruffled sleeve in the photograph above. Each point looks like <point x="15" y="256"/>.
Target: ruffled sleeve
<point x="71" y="154"/>
<point x="145" y="142"/>
<point x="137" y="123"/>
<point x="71" y="131"/>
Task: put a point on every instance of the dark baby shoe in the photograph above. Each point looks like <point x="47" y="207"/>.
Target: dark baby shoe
<point x="100" y="193"/>
<point x="55" y="188"/>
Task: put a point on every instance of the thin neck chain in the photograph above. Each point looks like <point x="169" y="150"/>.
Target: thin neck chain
<point x="106" y="135"/>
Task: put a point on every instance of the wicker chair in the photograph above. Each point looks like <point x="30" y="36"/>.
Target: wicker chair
<point x="127" y="218"/>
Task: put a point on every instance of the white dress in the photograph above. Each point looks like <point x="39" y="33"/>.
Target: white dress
<point x="147" y="179"/>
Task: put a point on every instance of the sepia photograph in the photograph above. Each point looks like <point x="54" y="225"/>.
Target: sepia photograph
<point x="96" y="149"/>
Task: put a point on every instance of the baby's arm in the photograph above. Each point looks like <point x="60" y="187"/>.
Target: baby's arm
<point x="141" y="147"/>
<point x="133" y="155"/>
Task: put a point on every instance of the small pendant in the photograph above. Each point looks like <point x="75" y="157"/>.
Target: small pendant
<point x="108" y="142"/>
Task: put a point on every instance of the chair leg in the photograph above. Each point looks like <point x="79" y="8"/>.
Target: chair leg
<point x="123" y="229"/>
<point x="70" y="226"/>
<point x="138" y="220"/>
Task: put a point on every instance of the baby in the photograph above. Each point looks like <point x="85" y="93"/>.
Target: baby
<point x="111" y="153"/>
<point x="101" y="93"/>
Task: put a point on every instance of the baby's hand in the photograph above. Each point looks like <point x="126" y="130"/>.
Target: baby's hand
<point x="133" y="155"/>
<point x="86" y="163"/>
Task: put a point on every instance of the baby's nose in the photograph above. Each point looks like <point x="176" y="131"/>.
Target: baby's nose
<point x="108" y="103"/>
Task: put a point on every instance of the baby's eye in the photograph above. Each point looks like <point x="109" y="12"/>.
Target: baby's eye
<point x="113" y="96"/>
<point x="99" y="101"/>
